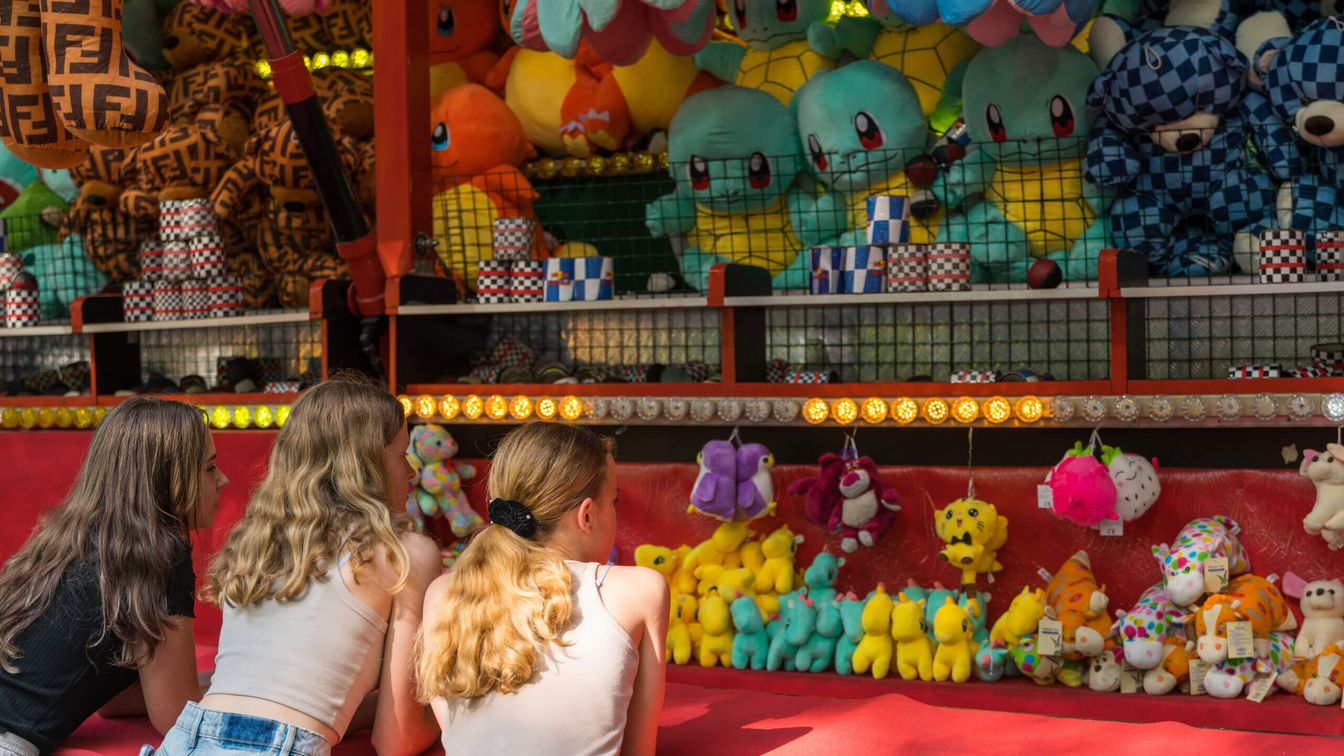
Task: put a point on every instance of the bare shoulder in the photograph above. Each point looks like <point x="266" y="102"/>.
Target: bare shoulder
<point x="635" y="594"/>
<point x="425" y="558"/>
<point x="436" y="595"/>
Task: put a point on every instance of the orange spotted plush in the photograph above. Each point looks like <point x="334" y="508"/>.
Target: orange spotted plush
<point x="1080" y="605"/>
<point x="1248" y="597"/>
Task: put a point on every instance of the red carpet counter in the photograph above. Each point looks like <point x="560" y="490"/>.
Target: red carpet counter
<point x="1269" y="505"/>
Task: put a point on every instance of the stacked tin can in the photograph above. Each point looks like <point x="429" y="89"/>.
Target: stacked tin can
<point x="512" y="276"/>
<point x="183" y="272"/>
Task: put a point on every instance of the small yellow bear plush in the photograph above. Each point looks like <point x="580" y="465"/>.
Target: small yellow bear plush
<point x="683" y="632"/>
<point x="716" y="626"/>
<point x="776" y="574"/>
<point x="914" y="651"/>
<point x="875" y="648"/>
<point x="952" y="629"/>
<point x="974" y="532"/>
<point x="1022" y="617"/>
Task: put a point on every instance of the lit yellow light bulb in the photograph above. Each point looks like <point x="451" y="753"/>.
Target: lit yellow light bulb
<point x="815" y="410"/>
<point x="905" y="410"/>
<point x="321" y="60"/>
<point x="263" y="417"/>
<point x="571" y="408"/>
<point x="425" y="406"/>
<point x="219" y="417"/>
<point x="340" y="59"/>
<point x="65" y="417"/>
<point x="845" y="410"/>
<point x="546" y="408"/>
<point x="1029" y="409"/>
<point x="9" y="418"/>
<point x="520" y="408"/>
<point x="98" y="414"/>
<point x="83" y="418"/>
<point x="406" y="405"/>
<point x="997" y="409"/>
<point x="935" y="411"/>
<point x="263" y="69"/>
<point x="874" y="410"/>
<point x="360" y="58"/>
<point x="472" y="407"/>
<point x="46" y="417"/>
<point x="282" y="415"/>
<point x="449" y="406"/>
<point x="965" y="410"/>
<point x="496" y="407"/>
<point x="242" y="417"/>
<point x="27" y="418"/>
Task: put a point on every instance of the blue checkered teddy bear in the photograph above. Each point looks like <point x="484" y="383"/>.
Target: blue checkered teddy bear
<point x="1303" y="77"/>
<point x="1177" y="117"/>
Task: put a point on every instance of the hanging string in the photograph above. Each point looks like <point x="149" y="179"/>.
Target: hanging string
<point x="851" y="450"/>
<point x="1094" y="441"/>
<point x="1339" y="435"/>
<point x="970" y="462"/>
<point x="735" y="438"/>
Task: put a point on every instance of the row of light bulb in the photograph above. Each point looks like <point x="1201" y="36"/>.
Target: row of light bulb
<point x="244" y="417"/>
<point x="85" y="418"/>
<point x="1195" y="408"/>
<point x="358" y="59"/>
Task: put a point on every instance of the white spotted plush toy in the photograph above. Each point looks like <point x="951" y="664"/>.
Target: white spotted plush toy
<point x="1136" y="484"/>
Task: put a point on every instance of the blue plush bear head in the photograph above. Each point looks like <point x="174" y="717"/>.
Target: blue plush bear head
<point x="1305" y="81"/>
<point x="859" y="123"/>
<point x="1025" y="102"/>
<point x="768" y="24"/>
<point x="1174" y="84"/>
<point x="733" y="149"/>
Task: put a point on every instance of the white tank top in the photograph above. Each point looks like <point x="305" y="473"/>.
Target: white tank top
<point x="577" y="700"/>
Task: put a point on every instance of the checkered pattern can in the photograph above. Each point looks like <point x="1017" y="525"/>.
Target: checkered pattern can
<point x="151" y="260"/>
<point x="513" y="238"/>
<point x="176" y="261"/>
<point x="775" y="370"/>
<point x="807" y="376"/>
<point x="1330" y="255"/>
<point x="281" y="387"/>
<point x="493" y="284"/>
<point x="698" y="371"/>
<point x="1255" y="371"/>
<point x="137" y="301"/>
<point x="11" y="265"/>
<point x="225" y="296"/>
<point x="180" y="220"/>
<point x="974" y="376"/>
<point x="527" y="281"/>
<point x="22" y="304"/>
<point x="949" y="266"/>
<point x="195" y="299"/>
<point x="1283" y="256"/>
<point x="207" y="256"/>
<point x="510" y="352"/>
<point x="168" y="303"/>
<point x="907" y="268"/>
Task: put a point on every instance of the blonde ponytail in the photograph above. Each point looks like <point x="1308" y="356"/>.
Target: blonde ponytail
<point x="510" y="596"/>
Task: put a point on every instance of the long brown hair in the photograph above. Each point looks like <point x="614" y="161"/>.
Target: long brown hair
<point x="326" y="486"/>
<point x="127" y="513"/>
<point x="508" y="595"/>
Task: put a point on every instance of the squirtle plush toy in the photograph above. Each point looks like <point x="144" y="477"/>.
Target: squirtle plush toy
<point x="738" y="197"/>
<point x="860" y="125"/>
<point x="1177" y="117"/>
<point x="1020" y="194"/>
<point x="778" y="58"/>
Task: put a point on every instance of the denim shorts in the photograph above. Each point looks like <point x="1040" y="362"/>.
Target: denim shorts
<point x="13" y="745"/>
<point x="204" y="732"/>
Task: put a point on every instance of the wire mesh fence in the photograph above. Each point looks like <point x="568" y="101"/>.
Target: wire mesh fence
<point x="46" y="265"/>
<point x="45" y="365"/>
<point x="274" y="358"/>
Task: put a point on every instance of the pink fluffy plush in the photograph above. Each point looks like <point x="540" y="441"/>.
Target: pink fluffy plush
<point x="1083" y="491"/>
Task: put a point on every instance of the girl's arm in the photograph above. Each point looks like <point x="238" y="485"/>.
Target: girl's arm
<point x="402" y="724"/>
<point x="644" y="594"/>
<point x="170" y="680"/>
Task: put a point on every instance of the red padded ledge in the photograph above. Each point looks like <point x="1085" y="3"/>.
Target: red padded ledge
<point x="1280" y="713"/>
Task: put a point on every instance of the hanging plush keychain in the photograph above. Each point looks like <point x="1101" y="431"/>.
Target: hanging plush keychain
<point x="973" y="531"/>
<point x="1096" y="483"/>
<point x="735" y="481"/>
<point x="848" y="497"/>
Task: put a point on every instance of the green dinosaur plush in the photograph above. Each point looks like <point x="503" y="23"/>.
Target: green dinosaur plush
<point x="63" y="274"/>
<point x="778" y="58"/>
<point x="734" y="154"/>
<point x="15" y="176"/>
<point x="1019" y="193"/>
<point x="33" y="217"/>
<point x="860" y="125"/>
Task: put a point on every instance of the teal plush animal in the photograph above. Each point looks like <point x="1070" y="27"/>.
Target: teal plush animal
<point x="738" y="197"/>
<point x="860" y="126"/>
<point x="814" y="629"/>
<point x="783" y="652"/>
<point x="63" y="275"/>
<point x="851" y="620"/>
<point x="751" y="644"/>
<point x="778" y="58"/>
<point x="819" y="577"/>
<point x="15" y="176"/>
<point x="1019" y="194"/>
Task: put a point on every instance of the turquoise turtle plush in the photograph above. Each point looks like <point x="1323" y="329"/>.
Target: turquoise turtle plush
<point x="15" y="176"/>
<point x="1019" y="195"/>
<point x="739" y="195"/>
<point x="778" y="57"/>
<point x="860" y="125"/>
<point x="63" y="275"/>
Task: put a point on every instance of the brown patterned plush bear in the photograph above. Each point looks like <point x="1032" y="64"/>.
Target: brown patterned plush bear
<point x="69" y="83"/>
<point x="111" y="236"/>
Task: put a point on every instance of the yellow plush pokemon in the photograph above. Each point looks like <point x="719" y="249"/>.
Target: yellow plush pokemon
<point x="1022" y="617"/>
<point x="974" y="532"/>
<point x="914" y="651"/>
<point x="683" y="632"/>
<point x="720" y="548"/>
<point x="875" y="649"/>
<point x="776" y="573"/>
<point x="952" y="629"/>
<point x="716" y="627"/>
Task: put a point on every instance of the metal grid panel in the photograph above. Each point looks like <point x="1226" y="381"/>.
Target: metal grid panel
<point x="896" y="342"/>
<point x="1201" y="337"/>
<point x="21" y="357"/>
<point x="292" y="350"/>
<point x="65" y="267"/>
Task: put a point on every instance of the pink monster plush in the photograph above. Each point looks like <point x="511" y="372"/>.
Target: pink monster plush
<point x="821" y="493"/>
<point x="1082" y="489"/>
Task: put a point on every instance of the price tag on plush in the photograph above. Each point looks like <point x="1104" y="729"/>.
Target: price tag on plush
<point x="1048" y="635"/>
<point x="1045" y="498"/>
<point x="1240" y="640"/>
<point x="1131" y="680"/>
<point x="1215" y="574"/>
<point x="1260" y="687"/>
<point x="1198" y="669"/>
<point x="1111" y="528"/>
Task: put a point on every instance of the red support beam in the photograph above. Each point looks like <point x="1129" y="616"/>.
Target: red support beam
<point x="401" y="100"/>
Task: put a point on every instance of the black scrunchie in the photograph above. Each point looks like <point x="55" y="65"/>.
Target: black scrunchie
<point x="513" y="515"/>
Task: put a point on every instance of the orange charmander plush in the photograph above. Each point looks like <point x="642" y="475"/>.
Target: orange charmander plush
<point x="461" y="34"/>
<point x="477" y="145"/>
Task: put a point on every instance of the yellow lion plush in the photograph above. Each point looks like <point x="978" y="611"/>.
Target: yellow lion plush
<point x="974" y="532"/>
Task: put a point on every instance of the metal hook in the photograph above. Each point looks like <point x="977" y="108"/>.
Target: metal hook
<point x="970" y="462"/>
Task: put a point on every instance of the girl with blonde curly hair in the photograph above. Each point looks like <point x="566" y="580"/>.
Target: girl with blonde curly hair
<point x="532" y="644"/>
<point x="321" y="584"/>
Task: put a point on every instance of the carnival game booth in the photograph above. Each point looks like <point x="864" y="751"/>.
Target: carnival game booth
<point x="934" y="394"/>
